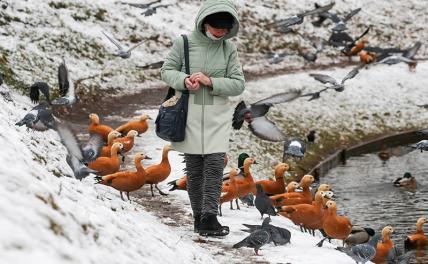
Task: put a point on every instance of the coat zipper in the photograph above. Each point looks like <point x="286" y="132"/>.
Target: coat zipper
<point x="203" y="103"/>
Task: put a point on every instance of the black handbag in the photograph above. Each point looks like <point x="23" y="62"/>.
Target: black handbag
<point x="171" y="120"/>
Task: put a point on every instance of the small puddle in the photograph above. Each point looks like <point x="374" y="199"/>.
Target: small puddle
<point x="367" y="196"/>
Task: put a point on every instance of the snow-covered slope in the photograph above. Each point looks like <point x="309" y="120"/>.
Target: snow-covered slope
<point x="36" y="34"/>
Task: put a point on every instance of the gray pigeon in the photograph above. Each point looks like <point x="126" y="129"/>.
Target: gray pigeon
<point x="294" y="148"/>
<point x="39" y="118"/>
<point x="247" y="199"/>
<point x="422" y="145"/>
<point x="66" y="87"/>
<point x="263" y="203"/>
<point x="395" y="256"/>
<point x="298" y="19"/>
<point x="340" y="23"/>
<point x="423" y="132"/>
<point x="255" y="240"/>
<point x="278" y="235"/>
<point x="362" y="252"/>
<point x="338" y="87"/>
<point x="143" y="6"/>
<point x="254" y="115"/>
<point x="35" y="90"/>
<point x="152" y="10"/>
<point x="75" y="156"/>
<point x="121" y="52"/>
<point x="151" y="66"/>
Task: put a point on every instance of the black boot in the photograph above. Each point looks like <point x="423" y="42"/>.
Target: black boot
<point x="211" y="227"/>
<point x="197" y="224"/>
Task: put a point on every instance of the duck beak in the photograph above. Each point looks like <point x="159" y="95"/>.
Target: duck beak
<point x="147" y="157"/>
<point x="149" y="118"/>
<point x="255" y="162"/>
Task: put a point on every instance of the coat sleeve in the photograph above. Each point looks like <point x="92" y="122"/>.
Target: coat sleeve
<point x="171" y="70"/>
<point x="234" y="83"/>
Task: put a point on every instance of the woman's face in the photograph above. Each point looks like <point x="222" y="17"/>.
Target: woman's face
<point x="217" y="32"/>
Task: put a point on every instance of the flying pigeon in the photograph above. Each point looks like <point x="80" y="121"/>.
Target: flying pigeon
<point x="152" y="10"/>
<point x="150" y="66"/>
<point x="124" y="54"/>
<point x="39" y="118"/>
<point x="255" y="113"/>
<point x="263" y="203"/>
<point x="66" y="87"/>
<point x="338" y="87"/>
<point x="75" y="156"/>
<point x="143" y="6"/>
<point x="340" y="23"/>
<point x="255" y="240"/>
<point x="298" y="19"/>
<point x="294" y="148"/>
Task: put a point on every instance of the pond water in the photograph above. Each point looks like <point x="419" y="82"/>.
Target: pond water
<point x="367" y="196"/>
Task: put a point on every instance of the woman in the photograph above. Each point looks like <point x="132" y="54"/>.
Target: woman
<point x="215" y="75"/>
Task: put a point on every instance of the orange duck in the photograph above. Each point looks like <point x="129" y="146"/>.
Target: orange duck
<point x="107" y="165"/>
<point x="159" y="172"/>
<point x="179" y="184"/>
<point x="140" y="125"/>
<point x="106" y="150"/>
<point x="359" y="46"/>
<point x="128" y="141"/>
<point x="337" y="227"/>
<point x="308" y="216"/>
<point x="240" y="186"/>
<point x="96" y="128"/>
<point x="418" y="240"/>
<point x="383" y="247"/>
<point x="277" y="186"/>
<point x="126" y="181"/>
<point x="296" y="197"/>
<point x="367" y="57"/>
<point x="291" y="187"/>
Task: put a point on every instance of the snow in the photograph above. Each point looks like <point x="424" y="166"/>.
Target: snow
<point x="38" y="33"/>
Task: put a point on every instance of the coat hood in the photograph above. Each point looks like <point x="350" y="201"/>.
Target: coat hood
<point x="214" y="6"/>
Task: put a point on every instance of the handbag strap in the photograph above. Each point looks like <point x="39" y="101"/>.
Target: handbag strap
<point x="186" y="58"/>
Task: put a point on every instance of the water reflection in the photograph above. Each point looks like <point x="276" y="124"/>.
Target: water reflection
<point x="369" y="198"/>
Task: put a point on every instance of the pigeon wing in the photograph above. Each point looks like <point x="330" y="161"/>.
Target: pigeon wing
<point x="279" y="98"/>
<point x="351" y="14"/>
<point x="45" y="116"/>
<point x="238" y="115"/>
<point x="93" y="147"/>
<point x="324" y="78"/>
<point x="63" y="82"/>
<point x="410" y="53"/>
<point x="69" y="141"/>
<point x="112" y="40"/>
<point x="364" y="33"/>
<point x="35" y="90"/>
<point x="318" y="10"/>
<point x="351" y="74"/>
<point x="266" y="129"/>
<point x="136" y="45"/>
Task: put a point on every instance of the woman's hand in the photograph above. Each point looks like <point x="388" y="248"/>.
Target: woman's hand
<point x="199" y="77"/>
<point x="191" y="85"/>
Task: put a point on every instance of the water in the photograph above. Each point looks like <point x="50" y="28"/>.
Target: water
<point x="367" y="196"/>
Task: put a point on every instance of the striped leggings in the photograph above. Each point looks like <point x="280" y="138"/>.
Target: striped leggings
<point x="204" y="180"/>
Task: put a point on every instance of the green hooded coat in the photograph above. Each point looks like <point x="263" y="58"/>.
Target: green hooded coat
<point x="209" y="118"/>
